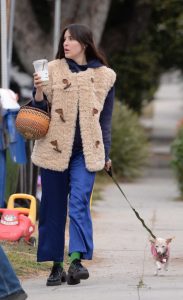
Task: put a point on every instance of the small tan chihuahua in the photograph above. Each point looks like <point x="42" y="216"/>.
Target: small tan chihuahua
<point x="161" y="252"/>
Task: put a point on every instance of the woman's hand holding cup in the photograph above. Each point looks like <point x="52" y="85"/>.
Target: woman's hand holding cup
<point x="41" y="77"/>
<point x="37" y="81"/>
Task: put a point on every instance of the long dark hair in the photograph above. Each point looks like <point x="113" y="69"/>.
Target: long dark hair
<point x="84" y="36"/>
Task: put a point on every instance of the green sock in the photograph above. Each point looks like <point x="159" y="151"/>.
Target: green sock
<point x="61" y="264"/>
<point x="75" y="255"/>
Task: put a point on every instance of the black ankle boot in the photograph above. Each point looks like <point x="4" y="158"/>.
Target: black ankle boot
<point x="57" y="276"/>
<point x="76" y="272"/>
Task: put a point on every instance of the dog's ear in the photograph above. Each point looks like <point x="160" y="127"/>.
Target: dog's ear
<point x="168" y="241"/>
<point x="152" y="241"/>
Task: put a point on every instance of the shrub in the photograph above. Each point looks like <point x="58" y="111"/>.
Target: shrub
<point x="177" y="158"/>
<point x="129" y="143"/>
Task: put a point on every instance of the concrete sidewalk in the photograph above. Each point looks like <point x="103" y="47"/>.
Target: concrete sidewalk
<point x="123" y="267"/>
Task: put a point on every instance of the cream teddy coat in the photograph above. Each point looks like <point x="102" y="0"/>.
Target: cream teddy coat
<point x="69" y="92"/>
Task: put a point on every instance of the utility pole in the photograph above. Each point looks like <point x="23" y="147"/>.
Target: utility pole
<point x="57" y="26"/>
<point x="11" y="10"/>
<point x="4" y="54"/>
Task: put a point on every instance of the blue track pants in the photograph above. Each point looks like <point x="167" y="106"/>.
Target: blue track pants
<point x="73" y="186"/>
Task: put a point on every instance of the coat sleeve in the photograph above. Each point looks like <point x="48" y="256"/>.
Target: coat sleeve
<point x="39" y="104"/>
<point x="106" y="121"/>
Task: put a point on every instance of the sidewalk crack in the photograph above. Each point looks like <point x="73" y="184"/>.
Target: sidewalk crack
<point x="141" y="283"/>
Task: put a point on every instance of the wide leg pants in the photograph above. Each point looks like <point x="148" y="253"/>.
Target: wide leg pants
<point x="73" y="186"/>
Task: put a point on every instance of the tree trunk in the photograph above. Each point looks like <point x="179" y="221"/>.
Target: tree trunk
<point x="32" y="43"/>
<point x="91" y="13"/>
<point x="132" y="19"/>
<point x="29" y="40"/>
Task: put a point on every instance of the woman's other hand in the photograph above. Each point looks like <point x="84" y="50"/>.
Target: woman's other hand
<point x="108" y="165"/>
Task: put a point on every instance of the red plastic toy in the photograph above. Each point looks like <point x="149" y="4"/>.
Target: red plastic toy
<point x="17" y="223"/>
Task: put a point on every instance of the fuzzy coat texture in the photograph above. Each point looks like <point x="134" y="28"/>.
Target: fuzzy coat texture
<point x="69" y="92"/>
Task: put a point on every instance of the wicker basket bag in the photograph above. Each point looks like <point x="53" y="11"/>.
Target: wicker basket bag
<point x="32" y="122"/>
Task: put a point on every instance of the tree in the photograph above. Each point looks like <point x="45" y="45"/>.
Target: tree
<point x="34" y="25"/>
<point x="143" y="39"/>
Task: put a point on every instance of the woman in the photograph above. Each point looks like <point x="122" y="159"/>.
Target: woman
<point x="81" y="94"/>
